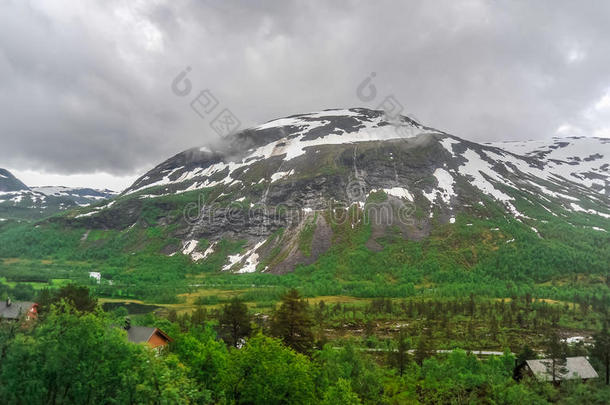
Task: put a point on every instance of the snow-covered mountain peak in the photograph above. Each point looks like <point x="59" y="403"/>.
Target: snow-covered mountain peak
<point x="357" y="158"/>
<point x="284" y="138"/>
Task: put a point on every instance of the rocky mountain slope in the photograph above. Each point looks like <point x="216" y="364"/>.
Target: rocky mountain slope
<point x="281" y="194"/>
<point x="18" y="201"/>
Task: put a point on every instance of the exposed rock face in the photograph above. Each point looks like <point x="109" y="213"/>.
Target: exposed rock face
<point x="289" y="186"/>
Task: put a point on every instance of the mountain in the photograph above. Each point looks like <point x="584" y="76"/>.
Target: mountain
<point x="20" y="202"/>
<point x="282" y="194"/>
<point x="83" y="196"/>
<point x="8" y="182"/>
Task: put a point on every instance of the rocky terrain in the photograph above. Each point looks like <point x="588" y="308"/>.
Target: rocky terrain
<point x="286" y="188"/>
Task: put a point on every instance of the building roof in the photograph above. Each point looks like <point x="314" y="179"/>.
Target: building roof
<point x="575" y="367"/>
<point x="15" y="310"/>
<point x="139" y="334"/>
<point x="142" y="334"/>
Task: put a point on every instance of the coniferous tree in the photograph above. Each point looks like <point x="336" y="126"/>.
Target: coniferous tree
<point x="184" y="321"/>
<point x="423" y="350"/>
<point x="369" y="327"/>
<point x="556" y="351"/>
<point x="601" y="349"/>
<point x="508" y="320"/>
<point x="78" y="297"/>
<point x="321" y="313"/>
<point x="493" y="327"/>
<point x="198" y="316"/>
<point x="528" y="300"/>
<point x="525" y="354"/>
<point x="410" y="310"/>
<point x="292" y="322"/>
<point x="44" y="300"/>
<point x="387" y="306"/>
<point x="583" y="307"/>
<point x="471" y="305"/>
<point x="234" y="322"/>
<point x="444" y="321"/>
<point x="513" y="304"/>
<point x="449" y="329"/>
<point x="471" y="330"/>
<point x="520" y="320"/>
<point x="400" y="357"/>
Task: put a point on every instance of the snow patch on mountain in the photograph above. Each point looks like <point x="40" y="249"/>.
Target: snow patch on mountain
<point x="280" y="175"/>
<point x="448" y="143"/>
<point x="399" y="192"/>
<point x="445" y="187"/>
<point x="250" y="257"/>
<point x="189" y="247"/>
<point x="578" y="208"/>
<point x="578" y="159"/>
<point x="474" y="167"/>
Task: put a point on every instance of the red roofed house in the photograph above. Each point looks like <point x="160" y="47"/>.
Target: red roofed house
<point x="155" y="338"/>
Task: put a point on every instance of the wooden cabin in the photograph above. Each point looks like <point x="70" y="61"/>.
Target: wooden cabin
<point x="574" y="368"/>
<point x="15" y="310"/>
<point x="155" y="338"/>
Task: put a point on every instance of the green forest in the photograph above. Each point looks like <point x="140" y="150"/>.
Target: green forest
<point x="498" y="257"/>
<point x="449" y="319"/>
<point x="76" y="353"/>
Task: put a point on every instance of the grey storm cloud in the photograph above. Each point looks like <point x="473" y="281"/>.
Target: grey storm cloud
<point x="86" y="86"/>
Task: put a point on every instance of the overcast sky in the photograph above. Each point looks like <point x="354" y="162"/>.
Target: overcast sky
<point x="85" y="87"/>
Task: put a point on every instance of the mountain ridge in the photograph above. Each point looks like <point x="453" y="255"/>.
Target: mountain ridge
<point x="20" y="202"/>
<point x="415" y="177"/>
